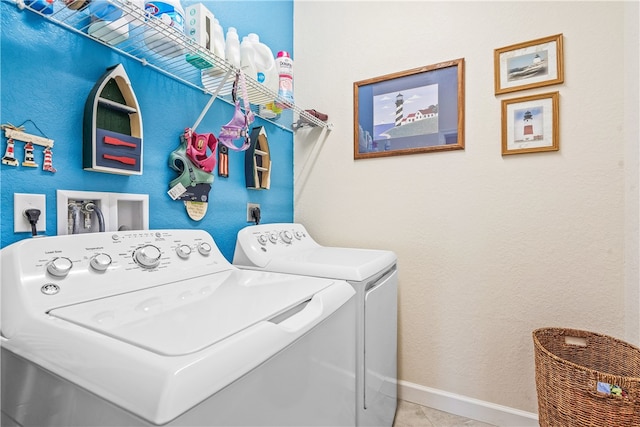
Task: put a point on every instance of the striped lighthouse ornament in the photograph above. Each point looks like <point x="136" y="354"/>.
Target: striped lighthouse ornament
<point x="9" y="155"/>
<point x="28" y="156"/>
<point x="399" y="113"/>
<point x="48" y="165"/>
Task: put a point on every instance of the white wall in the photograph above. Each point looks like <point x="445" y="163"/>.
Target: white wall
<point x="489" y="247"/>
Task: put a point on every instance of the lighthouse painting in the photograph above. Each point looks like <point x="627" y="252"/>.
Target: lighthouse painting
<point x="409" y="112"/>
<point x="530" y="124"/>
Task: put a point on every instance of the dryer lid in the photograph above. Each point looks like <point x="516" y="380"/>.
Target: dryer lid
<point x="185" y="317"/>
<point x="333" y="262"/>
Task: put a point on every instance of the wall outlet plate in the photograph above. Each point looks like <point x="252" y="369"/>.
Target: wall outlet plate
<point x="21" y="202"/>
<point x="250" y="207"/>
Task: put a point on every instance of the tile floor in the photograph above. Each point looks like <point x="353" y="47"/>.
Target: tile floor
<point x="414" y="415"/>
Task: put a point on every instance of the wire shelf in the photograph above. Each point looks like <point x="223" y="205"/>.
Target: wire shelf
<point x="133" y="31"/>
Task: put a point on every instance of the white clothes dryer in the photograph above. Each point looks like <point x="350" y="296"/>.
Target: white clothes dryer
<point x="147" y="328"/>
<point x="288" y="248"/>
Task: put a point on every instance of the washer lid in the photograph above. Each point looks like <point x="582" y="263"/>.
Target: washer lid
<point x="332" y="262"/>
<point x="185" y="317"/>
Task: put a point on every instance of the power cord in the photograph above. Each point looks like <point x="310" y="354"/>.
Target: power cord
<point x="33" y="215"/>
<point x="255" y="214"/>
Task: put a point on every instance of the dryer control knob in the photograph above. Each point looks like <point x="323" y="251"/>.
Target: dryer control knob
<point x="263" y="239"/>
<point x="183" y="251"/>
<point x="100" y="262"/>
<point x="147" y="256"/>
<point x="59" y="267"/>
<point x="286" y="236"/>
<point x="204" y="248"/>
<point x="299" y="235"/>
<point x="273" y="237"/>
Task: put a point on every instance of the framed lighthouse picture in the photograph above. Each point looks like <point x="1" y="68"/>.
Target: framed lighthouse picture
<point x="528" y="65"/>
<point x="415" y="111"/>
<point x="530" y="124"/>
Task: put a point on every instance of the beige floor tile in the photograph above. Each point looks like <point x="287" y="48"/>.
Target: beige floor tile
<point x="414" y="415"/>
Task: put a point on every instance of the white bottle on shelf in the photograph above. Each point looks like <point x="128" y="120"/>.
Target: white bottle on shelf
<point x="232" y="47"/>
<point x="265" y="64"/>
<point x="248" y="66"/>
<point x="218" y="39"/>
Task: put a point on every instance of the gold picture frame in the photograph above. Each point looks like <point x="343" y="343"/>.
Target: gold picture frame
<point x="415" y="111"/>
<point x="530" y="124"/>
<point x="527" y="65"/>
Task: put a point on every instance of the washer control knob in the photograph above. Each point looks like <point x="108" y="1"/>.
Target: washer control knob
<point x="273" y="237"/>
<point x="263" y="239"/>
<point x="299" y="235"/>
<point x="204" y="248"/>
<point x="147" y="256"/>
<point x="286" y="236"/>
<point x="183" y="251"/>
<point x="100" y="262"/>
<point x="59" y="267"/>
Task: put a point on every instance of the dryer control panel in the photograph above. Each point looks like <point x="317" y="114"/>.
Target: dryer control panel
<point x="50" y="272"/>
<point x="265" y="235"/>
<point x="256" y="245"/>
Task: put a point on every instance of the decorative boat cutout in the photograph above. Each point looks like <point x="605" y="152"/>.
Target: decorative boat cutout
<point x="257" y="160"/>
<point x="112" y="127"/>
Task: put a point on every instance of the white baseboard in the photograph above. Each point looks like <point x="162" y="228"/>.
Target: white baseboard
<point x="464" y="406"/>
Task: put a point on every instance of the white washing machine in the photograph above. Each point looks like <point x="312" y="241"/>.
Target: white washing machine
<point x="288" y="248"/>
<point x="145" y="328"/>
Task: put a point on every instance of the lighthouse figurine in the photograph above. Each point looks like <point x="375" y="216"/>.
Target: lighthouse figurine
<point x="9" y="155"/>
<point x="528" y="126"/>
<point x="28" y="156"/>
<point x="48" y="164"/>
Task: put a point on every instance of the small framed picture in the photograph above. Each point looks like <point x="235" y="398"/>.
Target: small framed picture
<point x="530" y="124"/>
<point x="527" y="65"/>
<point x="415" y="111"/>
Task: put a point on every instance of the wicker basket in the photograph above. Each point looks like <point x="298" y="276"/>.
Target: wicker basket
<point x="572" y="369"/>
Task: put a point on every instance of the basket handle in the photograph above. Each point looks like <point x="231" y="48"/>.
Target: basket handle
<point x="577" y="341"/>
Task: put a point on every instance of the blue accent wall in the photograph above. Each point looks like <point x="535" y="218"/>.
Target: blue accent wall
<point x="46" y="75"/>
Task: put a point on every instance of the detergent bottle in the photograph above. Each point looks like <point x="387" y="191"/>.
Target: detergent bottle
<point x="265" y="64"/>
<point x="232" y="47"/>
<point x="43" y="6"/>
<point x="248" y="66"/>
<point x="218" y="39"/>
<point x="170" y="13"/>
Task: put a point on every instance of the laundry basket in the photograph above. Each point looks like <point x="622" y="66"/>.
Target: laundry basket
<point x="586" y="379"/>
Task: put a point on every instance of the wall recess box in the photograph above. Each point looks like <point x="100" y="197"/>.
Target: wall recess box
<point x="121" y="211"/>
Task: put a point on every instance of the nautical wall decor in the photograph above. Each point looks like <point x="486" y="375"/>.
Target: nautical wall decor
<point x="530" y="124"/>
<point x="257" y="160"/>
<point x="529" y="65"/>
<point x="112" y="128"/>
<point x="385" y="124"/>
<point x="16" y="133"/>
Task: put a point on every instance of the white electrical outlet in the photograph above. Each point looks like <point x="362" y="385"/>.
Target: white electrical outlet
<point x="22" y="202"/>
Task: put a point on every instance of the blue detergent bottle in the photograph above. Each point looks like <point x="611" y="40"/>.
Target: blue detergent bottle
<point x="42" y="6"/>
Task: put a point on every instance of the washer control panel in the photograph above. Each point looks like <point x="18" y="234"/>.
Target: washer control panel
<point x="61" y="270"/>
